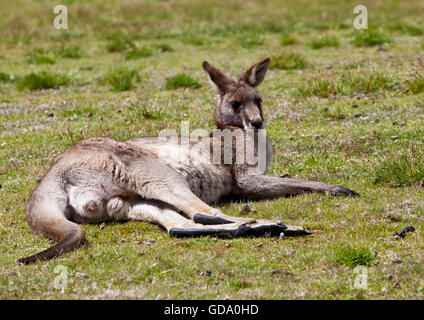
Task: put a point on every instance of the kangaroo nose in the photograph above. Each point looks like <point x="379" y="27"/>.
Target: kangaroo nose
<point x="257" y="123"/>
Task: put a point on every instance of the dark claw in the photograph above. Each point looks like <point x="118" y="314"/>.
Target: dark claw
<point x="339" y="190"/>
<point x="273" y="230"/>
<point x="207" y="220"/>
<point x="294" y="233"/>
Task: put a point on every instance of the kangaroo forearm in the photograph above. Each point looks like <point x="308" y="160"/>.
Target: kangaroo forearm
<point x="262" y="187"/>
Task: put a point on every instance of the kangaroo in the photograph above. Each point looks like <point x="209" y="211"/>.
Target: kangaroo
<point x="101" y="179"/>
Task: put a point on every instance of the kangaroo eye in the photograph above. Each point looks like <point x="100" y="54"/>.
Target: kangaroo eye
<point x="235" y="104"/>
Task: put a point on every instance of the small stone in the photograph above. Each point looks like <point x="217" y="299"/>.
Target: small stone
<point x="357" y="115"/>
<point x="260" y="245"/>
<point x="81" y="275"/>
<point x="207" y="273"/>
<point x="394" y="137"/>
<point x="148" y="242"/>
<point x="102" y="225"/>
<point x="397" y="260"/>
<point x="90" y="114"/>
<point x="246" y="208"/>
<point x="228" y="245"/>
<point x="396" y="285"/>
<point x="355" y="105"/>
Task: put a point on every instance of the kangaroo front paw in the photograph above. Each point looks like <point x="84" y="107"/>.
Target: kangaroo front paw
<point x="340" y="190"/>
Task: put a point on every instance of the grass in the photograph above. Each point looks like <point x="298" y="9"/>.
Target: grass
<point x="288" y="39"/>
<point x="41" y="56"/>
<point x="121" y="78"/>
<point x="181" y="80"/>
<point x="353" y="257"/>
<point x="406" y="28"/>
<point x="137" y="53"/>
<point x="416" y="84"/>
<point x="71" y="52"/>
<point x="325" y="41"/>
<point x="288" y="61"/>
<point x="370" y="37"/>
<point x="120" y="42"/>
<point x="348" y="84"/>
<point x="350" y="114"/>
<point x="4" y="77"/>
<point x="405" y="168"/>
<point x="42" y="80"/>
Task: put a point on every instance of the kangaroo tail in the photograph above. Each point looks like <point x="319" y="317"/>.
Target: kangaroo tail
<point x="46" y="217"/>
<point x="73" y="239"/>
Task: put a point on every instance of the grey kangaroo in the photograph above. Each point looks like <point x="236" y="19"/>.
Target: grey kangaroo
<point x="101" y="179"/>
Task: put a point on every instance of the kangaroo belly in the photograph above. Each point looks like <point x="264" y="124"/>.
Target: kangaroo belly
<point x="208" y="181"/>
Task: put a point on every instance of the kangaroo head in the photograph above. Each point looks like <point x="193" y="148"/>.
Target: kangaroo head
<point x="240" y="102"/>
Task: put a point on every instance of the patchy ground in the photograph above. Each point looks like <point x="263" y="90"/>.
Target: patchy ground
<point x="342" y="106"/>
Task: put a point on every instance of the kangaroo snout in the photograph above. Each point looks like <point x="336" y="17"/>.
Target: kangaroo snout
<point x="257" y="123"/>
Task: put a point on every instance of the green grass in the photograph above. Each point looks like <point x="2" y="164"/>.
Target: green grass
<point x="353" y="257"/>
<point x="4" y="77"/>
<point x="406" y="28"/>
<point x="288" y="39"/>
<point x="347" y="84"/>
<point x="42" y="80"/>
<point x="181" y="80"/>
<point x="137" y="53"/>
<point x="351" y="114"/>
<point x="288" y="61"/>
<point x="41" y="56"/>
<point x="405" y="168"/>
<point x="416" y="84"/>
<point x="370" y="37"/>
<point x="121" y="78"/>
<point x="325" y="41"/>
<point x="120" y="42"/>
<point x="71" y="52"/>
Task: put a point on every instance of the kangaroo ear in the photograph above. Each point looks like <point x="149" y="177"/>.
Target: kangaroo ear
<point x="221" y="81"/>
<point x="256" y="73"/>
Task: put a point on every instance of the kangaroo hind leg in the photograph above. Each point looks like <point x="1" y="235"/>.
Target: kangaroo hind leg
<point x="178" y="226"/>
